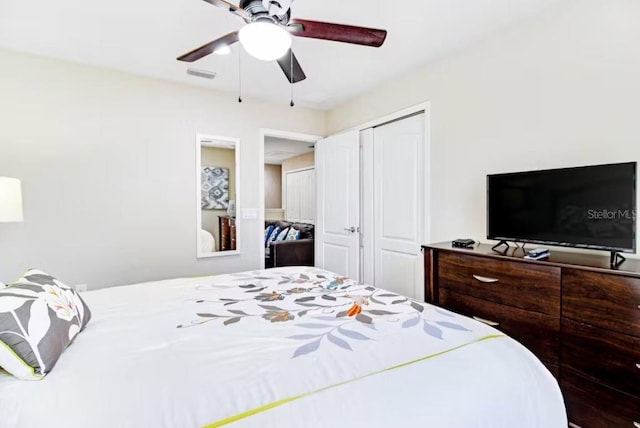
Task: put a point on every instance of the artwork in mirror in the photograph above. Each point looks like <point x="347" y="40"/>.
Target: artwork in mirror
<point x="215" y="186"/>
<point x="217" y="167"/>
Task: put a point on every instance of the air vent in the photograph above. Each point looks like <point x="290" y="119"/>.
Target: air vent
<point x="205" y="74"/>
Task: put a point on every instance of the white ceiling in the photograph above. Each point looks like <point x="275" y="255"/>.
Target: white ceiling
<point x="145" y="36"/>
<point x="277" y="150"/>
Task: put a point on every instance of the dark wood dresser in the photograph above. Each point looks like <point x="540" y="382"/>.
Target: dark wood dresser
<point x="579" y="316"/>
<point x="227" y="233"/>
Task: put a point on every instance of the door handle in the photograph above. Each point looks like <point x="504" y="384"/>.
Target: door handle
<point x="487" y="322"/>
<point x="485" y="279"/>
<point x="350" y="229"/>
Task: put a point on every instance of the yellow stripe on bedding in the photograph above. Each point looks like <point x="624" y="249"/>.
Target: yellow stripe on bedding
<point x="284" y="401"/>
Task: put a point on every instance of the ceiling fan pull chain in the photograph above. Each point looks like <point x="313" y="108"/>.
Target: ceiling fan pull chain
<point x="239" y="74"/>
<point x="292" y="79"/>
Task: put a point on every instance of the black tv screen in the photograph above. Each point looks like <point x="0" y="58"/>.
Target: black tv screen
<point x="584" y="207"/>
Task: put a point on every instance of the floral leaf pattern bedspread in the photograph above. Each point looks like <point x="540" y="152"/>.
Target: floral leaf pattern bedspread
<point x="326" y="309"/>
<point x="288" y="347"/>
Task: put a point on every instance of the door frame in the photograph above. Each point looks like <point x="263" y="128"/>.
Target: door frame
<point x="267" y="132"/>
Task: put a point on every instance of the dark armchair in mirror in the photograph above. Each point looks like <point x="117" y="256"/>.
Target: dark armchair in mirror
<point x="296" y="250"/>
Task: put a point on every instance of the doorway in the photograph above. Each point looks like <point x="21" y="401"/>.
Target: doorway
<point x="288" y="195"/>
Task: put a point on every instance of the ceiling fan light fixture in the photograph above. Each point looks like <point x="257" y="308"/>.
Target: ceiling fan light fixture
<point x="265" y="40"/>
<point x="223" y="50"/>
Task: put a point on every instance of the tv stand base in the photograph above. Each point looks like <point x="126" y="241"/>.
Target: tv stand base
<point x="499" y="244"/>
<point x="616" y="259"/>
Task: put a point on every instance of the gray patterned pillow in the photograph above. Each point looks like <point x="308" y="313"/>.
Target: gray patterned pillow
<point x="39" y="317"/>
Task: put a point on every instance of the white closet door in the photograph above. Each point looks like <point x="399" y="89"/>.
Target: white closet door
<point x="308" y="196"/>
<point x="292" y="211"/>
<point x="399" y="200"/>
<point x="301" y="196"/>
<point x="338" y="212"/>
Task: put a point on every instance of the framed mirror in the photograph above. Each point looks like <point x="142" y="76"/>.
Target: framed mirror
<point x="217" y="194"/>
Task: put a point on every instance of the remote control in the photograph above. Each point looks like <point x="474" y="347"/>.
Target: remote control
<point x="540" y="257"/>
<point x="537" y="252"/>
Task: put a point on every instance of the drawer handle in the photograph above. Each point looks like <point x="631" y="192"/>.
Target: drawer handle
<point x="487" y="322"/>
<point x="572" y="425"/>
<point x="636" y="424"/>
<point x="485" y="279"/>
<point x="638" y="365"/>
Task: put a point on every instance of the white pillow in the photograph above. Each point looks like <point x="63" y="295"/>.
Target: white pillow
<point x="39" y="317"/>
<point x="273" y="236"/>
<point x="293" y="235"/>
<point x="282" y="235"/>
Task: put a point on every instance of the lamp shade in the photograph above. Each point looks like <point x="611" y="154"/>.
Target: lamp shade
<point x="265" y="41"/>
<point x="10" y="200"/>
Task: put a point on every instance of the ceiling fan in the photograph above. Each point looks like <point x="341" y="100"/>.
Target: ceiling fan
<point x="268" y="30"/>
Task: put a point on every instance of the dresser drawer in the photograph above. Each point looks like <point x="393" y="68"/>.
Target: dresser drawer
<point x="601" y="355"/>
<point x="607" y="301"/>
<point x="590" y="405"/>
<point x="520" y="284"/>
<point x="538" y="332"/>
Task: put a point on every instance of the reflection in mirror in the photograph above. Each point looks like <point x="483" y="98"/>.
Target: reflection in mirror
<point x="218" y="165"/>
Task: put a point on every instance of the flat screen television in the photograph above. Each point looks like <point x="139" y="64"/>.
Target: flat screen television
<point x="585" y="207"/>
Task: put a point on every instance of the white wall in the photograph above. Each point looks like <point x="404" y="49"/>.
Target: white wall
<point x="272" y="187"/>
<point x="562" y="89"/>
<point x="107" y="163"/>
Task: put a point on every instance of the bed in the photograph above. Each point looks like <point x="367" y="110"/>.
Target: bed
<point x="206" y="242"/>
<point x="286" y="347"/>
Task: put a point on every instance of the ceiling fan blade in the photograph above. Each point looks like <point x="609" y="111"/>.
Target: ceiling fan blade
<point x="337" y="32"/>
<point x="209" y="48"/>
<point x="286" y="65"/>
<point x="230" y="7"/>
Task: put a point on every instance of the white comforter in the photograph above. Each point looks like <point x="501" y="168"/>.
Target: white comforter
<point x="290" y="347"/>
